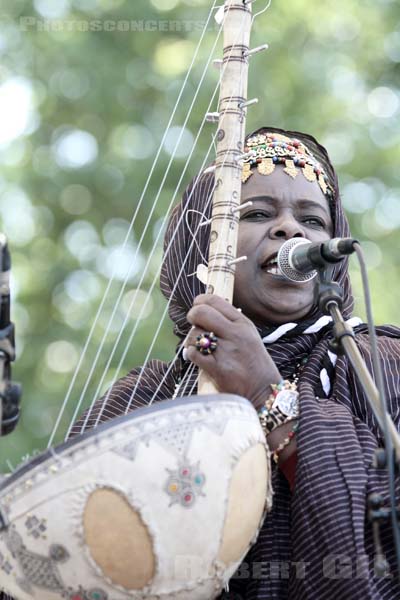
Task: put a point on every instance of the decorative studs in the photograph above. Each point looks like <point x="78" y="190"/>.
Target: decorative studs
<point x="185" y="484"/>
<point x="58" y="553"/>
<point x="36" y="527"/>
<point x="267" y="150"/>
<point x="206" y="343"/>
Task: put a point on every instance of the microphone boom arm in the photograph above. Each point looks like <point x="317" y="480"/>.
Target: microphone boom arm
<point x="329" y="294"/>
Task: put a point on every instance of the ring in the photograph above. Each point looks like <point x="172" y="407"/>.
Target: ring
<point x="206" y="342"/>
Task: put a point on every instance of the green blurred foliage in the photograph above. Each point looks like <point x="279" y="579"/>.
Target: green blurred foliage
<point x="83" y="108"/>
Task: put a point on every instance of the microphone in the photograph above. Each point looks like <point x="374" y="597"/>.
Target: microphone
<point x="298" y="258"/>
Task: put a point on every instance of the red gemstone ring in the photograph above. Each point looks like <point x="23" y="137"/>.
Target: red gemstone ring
<point x="206" y="342"/>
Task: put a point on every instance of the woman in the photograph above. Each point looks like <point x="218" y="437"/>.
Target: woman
<point x="316" y="542"/>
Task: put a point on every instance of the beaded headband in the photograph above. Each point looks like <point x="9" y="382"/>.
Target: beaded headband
<point x="266" y="150"/>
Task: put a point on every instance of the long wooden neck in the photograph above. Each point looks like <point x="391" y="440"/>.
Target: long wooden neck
<point x="230" y="145"/>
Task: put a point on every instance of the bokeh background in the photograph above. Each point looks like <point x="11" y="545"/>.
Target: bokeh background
<point x="87" y="88"/>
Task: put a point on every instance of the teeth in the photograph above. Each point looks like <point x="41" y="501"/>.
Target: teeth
<point x="272" y="266"/>
<point x="273" y="269"/>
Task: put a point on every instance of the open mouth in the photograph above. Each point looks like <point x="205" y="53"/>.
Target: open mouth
<point x="271" y="265"/>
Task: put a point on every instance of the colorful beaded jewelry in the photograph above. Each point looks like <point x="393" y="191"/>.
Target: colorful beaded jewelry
<point x="278" y="451"/>
<point x="266" y="150"/>
<point x="280" y="407"/>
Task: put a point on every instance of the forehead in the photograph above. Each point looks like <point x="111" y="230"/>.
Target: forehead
<point x="282" y="187"/>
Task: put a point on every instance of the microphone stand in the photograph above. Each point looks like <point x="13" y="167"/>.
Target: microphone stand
<point x="10" y="392"/>
<point x="330" y="300"/>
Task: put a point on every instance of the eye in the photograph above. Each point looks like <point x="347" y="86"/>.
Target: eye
<point x="314" y="222"/>
<point x="256" y="215"/>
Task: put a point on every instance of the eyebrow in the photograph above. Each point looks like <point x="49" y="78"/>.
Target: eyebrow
<point x="303" y="203"/>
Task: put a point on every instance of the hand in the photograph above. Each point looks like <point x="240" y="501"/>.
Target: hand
<point x="240" y="364"/>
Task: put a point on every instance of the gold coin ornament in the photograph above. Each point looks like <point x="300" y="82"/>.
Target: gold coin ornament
<point x="246" y="172"/>
<point x="266" y="166"/>
<point x="290" y="169"/>
<point x="322" y="183"/>
<point x="309" y="172"/>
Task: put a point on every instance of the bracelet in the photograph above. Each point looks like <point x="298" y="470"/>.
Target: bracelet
<point x="281" y="406"/>
<point x="277" y="452"/>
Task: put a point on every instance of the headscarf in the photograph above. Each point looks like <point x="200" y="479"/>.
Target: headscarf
<point x="186" y="241"/>
<point x="326" y="516"/>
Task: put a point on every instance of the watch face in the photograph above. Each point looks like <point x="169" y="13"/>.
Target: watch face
<point x="287" y="402"/>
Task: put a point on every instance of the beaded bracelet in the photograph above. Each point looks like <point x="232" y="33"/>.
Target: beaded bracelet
<point x="278" y="451"/>
<point x="280" y="407"/>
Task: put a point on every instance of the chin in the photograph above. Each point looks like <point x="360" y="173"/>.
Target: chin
<point x="276" y="306"/>
<point x="286" y="314"/>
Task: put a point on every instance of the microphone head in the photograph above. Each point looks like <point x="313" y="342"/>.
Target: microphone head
<point x="285" y="264"/>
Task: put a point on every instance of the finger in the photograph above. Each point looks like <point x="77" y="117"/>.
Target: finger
<point x="187" y="342"/>
<point x="206" y="362"/>
<point x="220" y="304"/>
<point x="208" y="318"/>
<point x="190" y="339"/>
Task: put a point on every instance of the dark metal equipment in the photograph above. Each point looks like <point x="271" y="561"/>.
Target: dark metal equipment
<point x="10" y="392"/>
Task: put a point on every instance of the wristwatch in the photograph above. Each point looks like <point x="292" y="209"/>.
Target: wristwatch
<point x="287" y="403"/>
<point x="284" y="408"/>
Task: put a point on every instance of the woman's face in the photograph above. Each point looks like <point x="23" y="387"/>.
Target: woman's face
<point x="282" y="208"/>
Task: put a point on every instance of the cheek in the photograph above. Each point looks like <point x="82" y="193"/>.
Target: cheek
<point x="319" y="236"/>
<point x="246" y="241"/>
<point x="243" y="277"/>
<point x="240" y="277"/>
<point x="245" y="247"/>
<point x="240" y="244"/>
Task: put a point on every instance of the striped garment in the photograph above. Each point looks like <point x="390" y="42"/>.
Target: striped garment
<point x="316" y="544"/>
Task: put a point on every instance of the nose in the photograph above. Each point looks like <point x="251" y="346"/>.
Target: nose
<point x="286" y="227"/>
